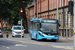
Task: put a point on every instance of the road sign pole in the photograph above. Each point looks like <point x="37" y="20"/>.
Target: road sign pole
<point x="69" y="19"/>
<point x="21" y="28"/>
<point x="66" y="25"/>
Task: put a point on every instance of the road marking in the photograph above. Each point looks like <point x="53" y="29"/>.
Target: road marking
<point x="4" y="46"/>
<point x="49" y="45"/>
<point x="21" y="45"/>
<point x="7" y="47"/>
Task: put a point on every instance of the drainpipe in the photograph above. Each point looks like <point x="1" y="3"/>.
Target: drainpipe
<point x="63" y="19"/>
<point x="48" y="9"/>
<point x="37" y="9"/>
<point x="40" y="8"/>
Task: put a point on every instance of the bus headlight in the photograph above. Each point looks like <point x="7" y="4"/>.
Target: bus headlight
<point x="41" y="34"/>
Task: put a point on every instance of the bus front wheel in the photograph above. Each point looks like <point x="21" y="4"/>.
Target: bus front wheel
<point x="31" y="36"/>
<point x="36" y="38"/>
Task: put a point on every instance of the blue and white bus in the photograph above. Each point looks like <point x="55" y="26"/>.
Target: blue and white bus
<point x="44" y="29"/>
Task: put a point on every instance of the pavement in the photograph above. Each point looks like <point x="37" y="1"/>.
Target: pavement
<point x="68" y="40"/>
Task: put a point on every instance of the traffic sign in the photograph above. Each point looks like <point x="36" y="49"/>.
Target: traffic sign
<point x="19" y="22"/>
<point x="66" y="12"/>
<point x="66" y="17"/>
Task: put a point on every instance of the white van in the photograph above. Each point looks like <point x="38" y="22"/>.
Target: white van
<point x="16" y="31"/>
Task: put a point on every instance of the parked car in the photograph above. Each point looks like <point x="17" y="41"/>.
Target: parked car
<point x="16" y="31"/>
<point x="1" y="34"/>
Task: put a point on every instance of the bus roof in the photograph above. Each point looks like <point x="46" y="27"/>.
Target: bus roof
<point x="44" y="19"/>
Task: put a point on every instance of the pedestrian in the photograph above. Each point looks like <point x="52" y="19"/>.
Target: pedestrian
<point x="7" y="34"/>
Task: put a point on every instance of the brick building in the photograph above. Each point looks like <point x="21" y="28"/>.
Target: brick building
<point x="44" y="5"/>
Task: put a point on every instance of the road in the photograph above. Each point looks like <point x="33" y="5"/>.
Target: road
<point x="12" y="45"/>
<point x="17" y="43"/>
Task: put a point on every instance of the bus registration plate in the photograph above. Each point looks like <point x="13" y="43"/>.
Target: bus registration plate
<point x="48" y="39"/>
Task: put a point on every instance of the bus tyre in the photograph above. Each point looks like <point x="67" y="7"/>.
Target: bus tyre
<point x="31" y="36"/>
<point x="36" y="38"/>
<point x="54" y="40"/>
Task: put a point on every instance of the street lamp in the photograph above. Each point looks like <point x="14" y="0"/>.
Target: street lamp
<point x="57" y="9"/>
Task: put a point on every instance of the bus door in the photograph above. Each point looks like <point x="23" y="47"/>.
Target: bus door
<point x="36" y="28"/>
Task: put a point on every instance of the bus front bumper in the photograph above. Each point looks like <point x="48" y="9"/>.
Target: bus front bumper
<point x="48" y="37"/>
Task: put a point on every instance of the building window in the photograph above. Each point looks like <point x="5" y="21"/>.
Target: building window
<point x="52" y="4"/>
<point x="65" y="2"/>
<point x="60" y="3"/>
<point x="55" y="4"/>
<point x="4" y="24"/>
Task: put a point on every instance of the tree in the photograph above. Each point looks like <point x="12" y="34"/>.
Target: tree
<point x="13" y="7"/>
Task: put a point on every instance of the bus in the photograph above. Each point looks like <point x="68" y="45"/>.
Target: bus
<point x="44" y="29"/>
